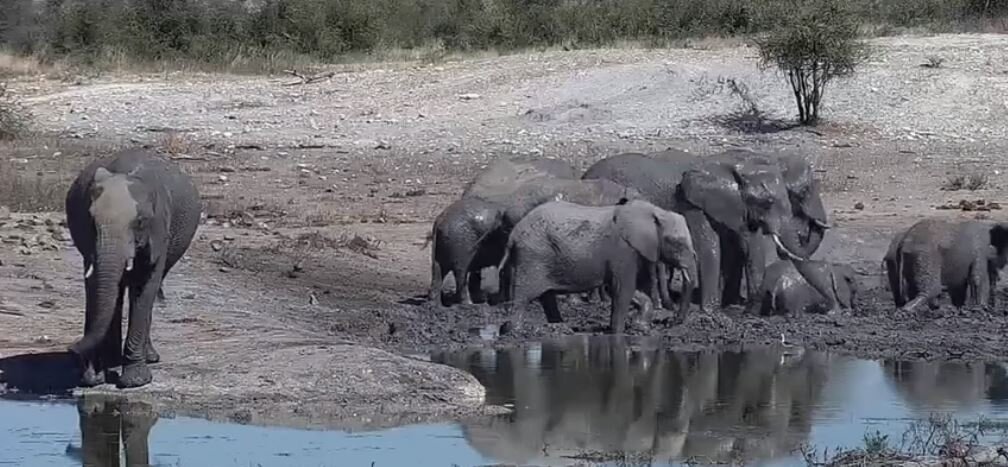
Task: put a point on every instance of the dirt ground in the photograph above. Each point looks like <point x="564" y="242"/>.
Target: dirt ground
<point x="302" y="288"/>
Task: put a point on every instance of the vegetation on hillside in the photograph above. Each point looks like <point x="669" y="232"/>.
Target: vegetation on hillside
<point x="235" y="33"/>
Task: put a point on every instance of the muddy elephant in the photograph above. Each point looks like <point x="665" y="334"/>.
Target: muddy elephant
<point x="465" y="239"/>
<point x="131" y="216"/>
<point x="808" y="286"/>
<point x="961" y="257"/>
<point x="561" y="247"/>
<point x="110" y="428"/>
<point x="658" y="177"/>
<point x="474" y="230"/>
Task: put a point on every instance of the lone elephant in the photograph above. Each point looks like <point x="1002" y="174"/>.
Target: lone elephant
<point x="961" y="257"/>
<point x="809" y="286"/>
<point x="561" y="247"/>
<point x="131" y="215"/>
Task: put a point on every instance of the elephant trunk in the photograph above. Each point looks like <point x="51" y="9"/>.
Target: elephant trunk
<point x="690" y="279"/>
<point x="112" y="258"/>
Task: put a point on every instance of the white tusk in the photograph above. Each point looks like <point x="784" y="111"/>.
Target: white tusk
<point x="129" y="264"/>
<point x="820" y="224"/>
<point x="89" y="272"/>
<point x="781" y="246"/>
<point x="685" y="276"/>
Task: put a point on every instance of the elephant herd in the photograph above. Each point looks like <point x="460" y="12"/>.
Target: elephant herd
<point x="541" y="230"/>
<point x="624" y="226"/>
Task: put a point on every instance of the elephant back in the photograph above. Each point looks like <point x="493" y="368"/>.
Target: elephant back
<point x="655" y="179"/>
<point x="504" y="176"/>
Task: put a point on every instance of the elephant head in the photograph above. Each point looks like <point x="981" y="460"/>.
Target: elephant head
<point x="743" y="196"/>
<point x="806" y="202"/>
<point x="659" y="235"/>
<point x="130" y="230"/>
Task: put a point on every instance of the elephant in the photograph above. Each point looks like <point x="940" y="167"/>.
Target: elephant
<point x="465" y="238"/>
<point x="474" y="230"/>
<point x="562" y="247"/>
<point x="658" y="176"/>
<point x="808" y="286"/>
<point x="504" y="175"/>
<point x="110" y="426"/>
<point x="960" y="256"/>
<point x="729" y="210"/>
<point x="131" y="215"/>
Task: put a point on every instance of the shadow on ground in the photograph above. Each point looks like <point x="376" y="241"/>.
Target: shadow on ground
<point x="44" y="373"/>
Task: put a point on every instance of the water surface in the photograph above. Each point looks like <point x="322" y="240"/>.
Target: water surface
<point x="570" y="398"/>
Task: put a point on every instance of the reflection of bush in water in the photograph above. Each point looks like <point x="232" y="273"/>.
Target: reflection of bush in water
<point x="927" y="384"/>
<point x="605" y="397"/>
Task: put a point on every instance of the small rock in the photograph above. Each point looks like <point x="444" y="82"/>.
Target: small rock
<point x="224" y="269"/>
<point x="216" y="245"/>
<point x="383" y="145"/>
<point x="229" y="237"/>
<point x="859" y="206"/>
<point x="469" y="96"/>
<point x="188" y="296"/>
<point x="222" y="178"/>
<point x="48" y="304"/>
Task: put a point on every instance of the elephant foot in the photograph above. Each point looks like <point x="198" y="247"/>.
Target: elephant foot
<point x="134" y="375"/>
<point x="91" y="378"/>
<point x="152" y="355"/>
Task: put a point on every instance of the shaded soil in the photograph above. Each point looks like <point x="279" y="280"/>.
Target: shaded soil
<point x="298" y="301"/>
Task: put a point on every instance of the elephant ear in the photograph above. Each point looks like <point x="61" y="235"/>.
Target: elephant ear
<point x="714" y="189"/>
<point x="637" y="225"/>
<point x="999" y="238"/>
<point x="158" y="229"/>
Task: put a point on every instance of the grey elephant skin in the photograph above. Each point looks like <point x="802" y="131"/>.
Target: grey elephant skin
<point x="111" y="430"/>
<point x="562" y="247"/>
<point x="731" y="200"/>
<point x="936" y="255"/>
<point x="809" y="286"/>
<point x="503" y="176"/>
<point x="131" y="215"/>
<point x="471" y="233"/>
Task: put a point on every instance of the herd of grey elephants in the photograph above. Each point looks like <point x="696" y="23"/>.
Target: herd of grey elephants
<point x="616" y="229"/>
<point x="613" y="231"/>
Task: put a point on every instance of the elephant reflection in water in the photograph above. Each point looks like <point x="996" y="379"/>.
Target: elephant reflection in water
<point x="604" y="396"/>
<point x="927" y="384"/>
<point x="107" y="422"/>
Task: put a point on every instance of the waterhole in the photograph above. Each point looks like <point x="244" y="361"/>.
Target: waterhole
<point x="577" y="401"/>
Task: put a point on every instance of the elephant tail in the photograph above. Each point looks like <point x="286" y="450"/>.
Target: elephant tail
<point x="507" y="255"/>
<point x="428" y="239"/>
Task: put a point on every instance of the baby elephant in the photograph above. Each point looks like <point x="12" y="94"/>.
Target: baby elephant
<point x="561" y="247"/>
<point x="466" y="238"/>
<point x="962" y="257"/>
<point x="809" y="286"/>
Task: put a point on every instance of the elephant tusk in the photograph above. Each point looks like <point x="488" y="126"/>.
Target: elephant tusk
<point x="129" y="265"/>
<point x="685" y="275"/>
<point x="89" y="272"/>
<point x="820" y="224"/>
<point x="783" y="248"/>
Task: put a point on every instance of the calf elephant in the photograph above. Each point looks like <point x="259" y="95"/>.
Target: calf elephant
<point x="465" y="238"/>
<point x="809" y="286"/>
<point x="131" y="216"/>
<point x="962" y="257"/>
<point x="561" y="247"/>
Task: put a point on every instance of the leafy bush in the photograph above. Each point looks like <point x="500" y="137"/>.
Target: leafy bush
<point x="812" y="43"/>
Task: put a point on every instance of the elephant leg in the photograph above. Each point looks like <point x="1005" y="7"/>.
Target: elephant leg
<point x="733" y="264"/>
<point x="525" y="286"/>
<point x="623" y="289"/>
<point x="822" y="278"/>
<point x="980" y="289"/>
<point x="754" y="245"/>
<point x="708" y="250"/>
<point x="548" y="301"/>
<point x="895" y="281"/>
<point x="461" y="274"/>
<point x="135" y="371"/>
<point x="923" y="278"/>
<point x="437" y="281"/>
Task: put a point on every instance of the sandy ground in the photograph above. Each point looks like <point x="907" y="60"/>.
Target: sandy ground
<point x="319" y="197"/>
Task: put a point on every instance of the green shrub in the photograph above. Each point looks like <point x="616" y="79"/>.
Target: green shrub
<point x="815" y="42"/>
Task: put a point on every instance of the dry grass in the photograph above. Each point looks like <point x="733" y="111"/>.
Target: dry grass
<point x="24" y="189"/>
<point x="966" y="181"/>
